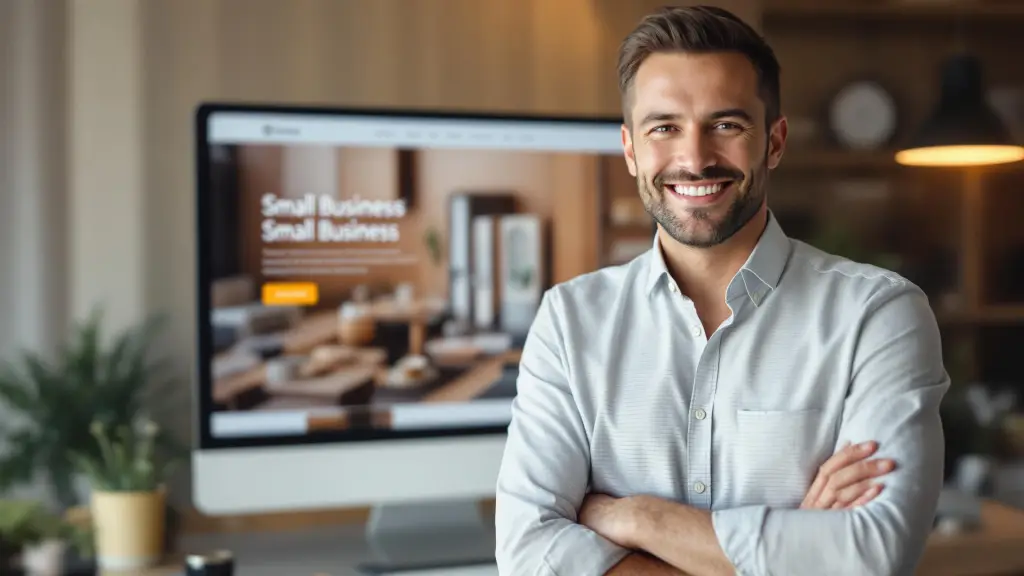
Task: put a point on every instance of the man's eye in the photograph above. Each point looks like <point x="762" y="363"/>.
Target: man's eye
<point x="728" y="126"/>
<point x="661" y="129"/>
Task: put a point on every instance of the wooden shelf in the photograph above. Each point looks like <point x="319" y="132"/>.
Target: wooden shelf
<point x="838" y="159"/>
<point x="919" y="10"/>
<point x="642" y="230"/>
<point x="992" y="315"/>
<point x="953" y="227"/>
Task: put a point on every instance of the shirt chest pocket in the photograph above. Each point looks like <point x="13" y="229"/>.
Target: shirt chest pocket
<point x="778" y="452"/>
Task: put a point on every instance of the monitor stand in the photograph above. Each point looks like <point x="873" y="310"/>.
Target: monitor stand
<point x="408" y="537"/>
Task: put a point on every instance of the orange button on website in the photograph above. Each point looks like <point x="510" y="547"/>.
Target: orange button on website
<point x="290" y="293"/>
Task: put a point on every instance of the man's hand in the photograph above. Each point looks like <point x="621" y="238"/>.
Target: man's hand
<point x="846" y="480"/>
<point x="616" y="519"/>
<point x="610" y="517"/>
<point x="668" y="538"/>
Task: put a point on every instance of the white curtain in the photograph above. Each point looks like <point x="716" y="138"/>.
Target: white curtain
<point x="32" y="172"/>
<point x="32" y="167"/>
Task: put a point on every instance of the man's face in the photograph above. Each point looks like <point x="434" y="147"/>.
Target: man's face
<point x="699" y="147"/>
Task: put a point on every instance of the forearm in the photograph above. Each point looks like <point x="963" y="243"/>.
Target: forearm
<point x="872" y="539"/>
<point x="553" y="547"/>
<point x="640" y="564"/>
<point x="680" y="535"/>
<point x="759" y="540"/>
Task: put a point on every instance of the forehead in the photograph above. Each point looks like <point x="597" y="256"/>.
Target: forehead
<point x="694" y="83"/>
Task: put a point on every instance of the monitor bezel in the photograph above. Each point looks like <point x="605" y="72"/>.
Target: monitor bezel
<point x="204" y="331"/>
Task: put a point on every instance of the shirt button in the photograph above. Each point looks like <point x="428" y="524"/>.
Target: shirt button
<point x="699" y="487"/>
<point x="672" y="286"/>
<point x="697" y="330"/>
<point x="700" y="414"/>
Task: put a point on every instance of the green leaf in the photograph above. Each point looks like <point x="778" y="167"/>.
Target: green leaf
<point x="59" y="399"/>
<point x="17" y="392"/>
<point x="19" y="463"/>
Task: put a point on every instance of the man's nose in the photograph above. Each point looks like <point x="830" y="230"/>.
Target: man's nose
<point x="694" y="151"/>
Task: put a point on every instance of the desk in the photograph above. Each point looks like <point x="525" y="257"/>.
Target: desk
<point x="329" y="551"/>
<point x="996" y="550"/>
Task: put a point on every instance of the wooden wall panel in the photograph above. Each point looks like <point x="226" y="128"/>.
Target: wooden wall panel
<point x="514" y="55"/>
<point x="905" y="56"/>
<point x="534" y="56"/>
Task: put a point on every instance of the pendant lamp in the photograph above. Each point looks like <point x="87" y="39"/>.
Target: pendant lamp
<point x="963" y="130"/>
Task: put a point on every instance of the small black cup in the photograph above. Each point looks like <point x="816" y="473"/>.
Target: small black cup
<point x="219" y="563"/>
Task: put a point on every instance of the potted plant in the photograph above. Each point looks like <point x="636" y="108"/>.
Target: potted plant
<point x="51" y="403"/>
<point x="979" y="415"/>
<point x="128" y="506"/>
<point x="40" y="537"/>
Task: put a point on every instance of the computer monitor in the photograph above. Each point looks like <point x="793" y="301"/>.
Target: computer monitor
<point x="365" y="280"/>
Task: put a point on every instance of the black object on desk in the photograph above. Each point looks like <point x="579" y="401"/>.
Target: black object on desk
<point x="219" y="563"/>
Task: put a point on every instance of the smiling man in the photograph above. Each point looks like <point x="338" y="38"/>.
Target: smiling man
<point x="713" y="406"/>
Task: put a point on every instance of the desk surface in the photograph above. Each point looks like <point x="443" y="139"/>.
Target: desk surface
<point x="995" y="549"/>
<point x="327" y="551"/>
<point x="337" y="551"/>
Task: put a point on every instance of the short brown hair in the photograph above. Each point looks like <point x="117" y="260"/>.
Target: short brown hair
<point x="699" y="29"/>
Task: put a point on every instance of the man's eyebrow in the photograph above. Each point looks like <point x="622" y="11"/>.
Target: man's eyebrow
<point x="659" y="117"/>
<point x="654" y="117"/>
<point x="732" y="113"/>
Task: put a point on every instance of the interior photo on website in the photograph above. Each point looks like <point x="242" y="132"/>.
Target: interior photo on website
<point x="385" y="287"/>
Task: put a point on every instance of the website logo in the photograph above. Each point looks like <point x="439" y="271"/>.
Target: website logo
<point x="271" y="130"/>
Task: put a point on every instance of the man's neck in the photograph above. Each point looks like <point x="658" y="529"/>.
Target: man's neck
<point x="703" y="274"/>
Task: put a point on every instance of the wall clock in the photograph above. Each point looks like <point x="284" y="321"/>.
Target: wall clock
<point x="862" y="116"/>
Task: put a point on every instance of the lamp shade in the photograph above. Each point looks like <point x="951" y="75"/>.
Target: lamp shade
<point x="963" y="130"/>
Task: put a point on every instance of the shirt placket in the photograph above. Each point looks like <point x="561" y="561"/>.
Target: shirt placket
<point x="698" y="465"/>
<point x="698" y="421"/>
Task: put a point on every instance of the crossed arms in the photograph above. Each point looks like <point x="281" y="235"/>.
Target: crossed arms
<point x="657" y="527"/>
<point x="896" y="385"/>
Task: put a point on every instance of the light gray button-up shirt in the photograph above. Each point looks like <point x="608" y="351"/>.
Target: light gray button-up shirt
<point x="621" y="392"/>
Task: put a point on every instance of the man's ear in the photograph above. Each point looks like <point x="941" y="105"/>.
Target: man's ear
<point x="777" y="142"/>
<point x="627" y="150"/>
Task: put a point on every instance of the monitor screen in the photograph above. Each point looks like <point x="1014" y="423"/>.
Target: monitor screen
<point x="367" y="275"/>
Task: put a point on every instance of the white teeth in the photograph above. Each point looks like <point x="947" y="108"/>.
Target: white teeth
<point x="697" y="190"/>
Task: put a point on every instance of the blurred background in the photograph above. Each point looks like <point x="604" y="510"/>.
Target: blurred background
<point x="97" y="160"/>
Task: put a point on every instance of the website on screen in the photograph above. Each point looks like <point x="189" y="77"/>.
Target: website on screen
<point x="382" y="272"/>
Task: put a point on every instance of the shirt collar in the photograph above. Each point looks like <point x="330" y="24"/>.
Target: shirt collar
<point x="759" y="275"/>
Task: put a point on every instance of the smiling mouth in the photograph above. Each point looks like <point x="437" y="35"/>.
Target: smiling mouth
<point x="699" y="190"/>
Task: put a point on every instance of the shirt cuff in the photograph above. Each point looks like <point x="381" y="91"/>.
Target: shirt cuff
<point x="739" y="534"/>
<point x="579" y="551"/>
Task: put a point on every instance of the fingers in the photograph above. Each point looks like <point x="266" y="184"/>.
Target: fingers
<point x="845" y="456"/>
<point x="814" y="492"/>
<point x="848" y="456"/>
<point x="850" y="494"/>
<point x="846" y="477"/>
<point x="868" y="496"/>
<point x="861" y="471"/>
<point x="870" y="493"/>
<point x="853" y="479"/>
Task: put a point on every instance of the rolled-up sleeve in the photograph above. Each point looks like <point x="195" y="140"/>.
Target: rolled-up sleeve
<point x="545" y="468"/>
<point x="897" y="383"/>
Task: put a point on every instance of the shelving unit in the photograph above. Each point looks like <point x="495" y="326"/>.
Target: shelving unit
<point x="969" y="217"/>
<point x="627" y="229"/>
<point x="890" y="10"/>
<point x="956" y="231"/>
